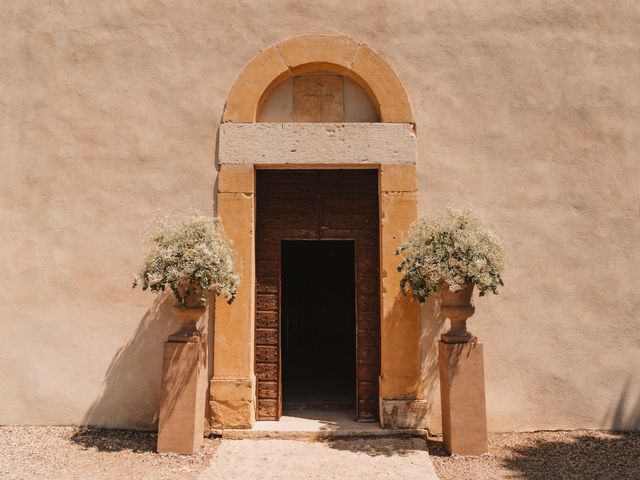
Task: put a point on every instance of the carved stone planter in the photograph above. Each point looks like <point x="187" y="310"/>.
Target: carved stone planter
<point x="457" y="307"/>
<point x="189" y="317"/>
<point x="184" y="385"/>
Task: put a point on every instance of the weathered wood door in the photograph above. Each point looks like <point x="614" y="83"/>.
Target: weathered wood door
<point x="317" y="205"/>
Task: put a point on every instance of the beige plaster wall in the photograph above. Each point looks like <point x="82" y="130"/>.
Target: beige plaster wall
<point x="527" y="111"/>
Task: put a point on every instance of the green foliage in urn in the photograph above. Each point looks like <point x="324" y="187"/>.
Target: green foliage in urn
<point x="189" y="253"/>
<point x="452" y="248"/>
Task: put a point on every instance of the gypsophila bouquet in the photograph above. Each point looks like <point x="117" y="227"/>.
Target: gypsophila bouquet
<point x="451" y="249"/>
<point x="189" y="253"/>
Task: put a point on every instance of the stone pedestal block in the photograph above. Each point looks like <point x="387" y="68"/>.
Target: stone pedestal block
<point x="182" y="399"/>
<point x="464" y="416"/>
<point x="232" y="402"/>
<point x="404" y="413"/>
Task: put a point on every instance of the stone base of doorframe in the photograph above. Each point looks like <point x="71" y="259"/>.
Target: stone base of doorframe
<point x="404" y="413"/>
<point x="232" y="402"/>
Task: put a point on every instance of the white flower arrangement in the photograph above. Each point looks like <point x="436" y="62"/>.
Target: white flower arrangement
<point x="453" y="248"/>
<point x="189" y="253"/>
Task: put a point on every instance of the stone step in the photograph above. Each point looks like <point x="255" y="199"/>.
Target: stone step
<point x="240" y="434"/>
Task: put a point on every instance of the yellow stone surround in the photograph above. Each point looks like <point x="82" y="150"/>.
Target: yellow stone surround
<point x="233" y="384"/>
<point x="330" y="53"/>
<point x="389" y="148"/>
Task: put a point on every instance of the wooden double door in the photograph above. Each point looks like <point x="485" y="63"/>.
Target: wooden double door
<point x="317" y="281"/>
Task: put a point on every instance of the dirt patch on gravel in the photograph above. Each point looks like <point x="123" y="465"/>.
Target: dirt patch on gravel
<point x="576" y="454"/>
<point x="81" y="453"/>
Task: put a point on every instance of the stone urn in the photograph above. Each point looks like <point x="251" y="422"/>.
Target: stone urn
<point x="457" y="307"/>
<point x="188" y="317"/>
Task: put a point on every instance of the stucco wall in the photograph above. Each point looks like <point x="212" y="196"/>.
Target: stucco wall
<point x="527" y="111"/>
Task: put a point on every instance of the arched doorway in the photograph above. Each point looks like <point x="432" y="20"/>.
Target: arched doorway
<point x="247" y="378"/>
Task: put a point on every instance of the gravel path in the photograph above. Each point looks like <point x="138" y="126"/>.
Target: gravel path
<point x="580" y="454"/>
<point x="370" y="459"/>
<point x="79" y="453"/>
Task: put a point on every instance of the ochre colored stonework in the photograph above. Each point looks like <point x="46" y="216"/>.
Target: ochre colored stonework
<point x="400" y="384"/>
<point x="400" y="375"/>
<point x="236" y="179"/>
<point x="308" y="53"/>
<point x="232" y="386"/>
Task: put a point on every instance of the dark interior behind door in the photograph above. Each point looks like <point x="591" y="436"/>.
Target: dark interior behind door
<point x="318" y="324"/>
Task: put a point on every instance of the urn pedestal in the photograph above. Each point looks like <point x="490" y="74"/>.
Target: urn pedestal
<point x="461" y="366"/>
<point x="184" y="385"/>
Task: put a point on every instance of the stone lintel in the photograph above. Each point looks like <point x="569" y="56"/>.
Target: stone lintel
<point x="316" y="143"/>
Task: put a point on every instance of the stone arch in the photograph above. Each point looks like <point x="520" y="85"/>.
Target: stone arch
<point x="335" y="53"/>
<point x="244" y="147"/>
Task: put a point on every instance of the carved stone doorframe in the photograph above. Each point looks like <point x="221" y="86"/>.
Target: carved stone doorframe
<point x="389" y="146"/>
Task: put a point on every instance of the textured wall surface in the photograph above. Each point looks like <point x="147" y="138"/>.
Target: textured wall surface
<point x="527" y="111"/>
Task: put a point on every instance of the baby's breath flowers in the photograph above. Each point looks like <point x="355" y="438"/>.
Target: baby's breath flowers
<point x="190" y="253"/>
<point x="453" y="248"/>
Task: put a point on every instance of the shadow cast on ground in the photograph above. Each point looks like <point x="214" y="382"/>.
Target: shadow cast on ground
<point x="614" y="455"/>
<point x="397" y="446"/>
<point x="436" y="448"/>
<point x="108" y="440"/>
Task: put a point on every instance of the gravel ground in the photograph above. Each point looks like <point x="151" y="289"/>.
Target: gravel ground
<point x="579" y="454"/>
<point x="81" y="453"/>
<point x="91" y="453"/>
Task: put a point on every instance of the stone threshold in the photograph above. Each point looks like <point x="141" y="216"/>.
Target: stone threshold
<point x="316" y="425"/>
<point x="241" y="434"/>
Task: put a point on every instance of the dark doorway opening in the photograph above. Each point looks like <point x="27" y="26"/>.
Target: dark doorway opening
<point x="318" y="324"/>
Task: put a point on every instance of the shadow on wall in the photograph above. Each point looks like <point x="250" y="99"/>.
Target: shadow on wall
<point x="396" y="322"/>
<point x="626" y="414"/>
<point x="433" y="324"/>
<point x="130" y="395"/>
